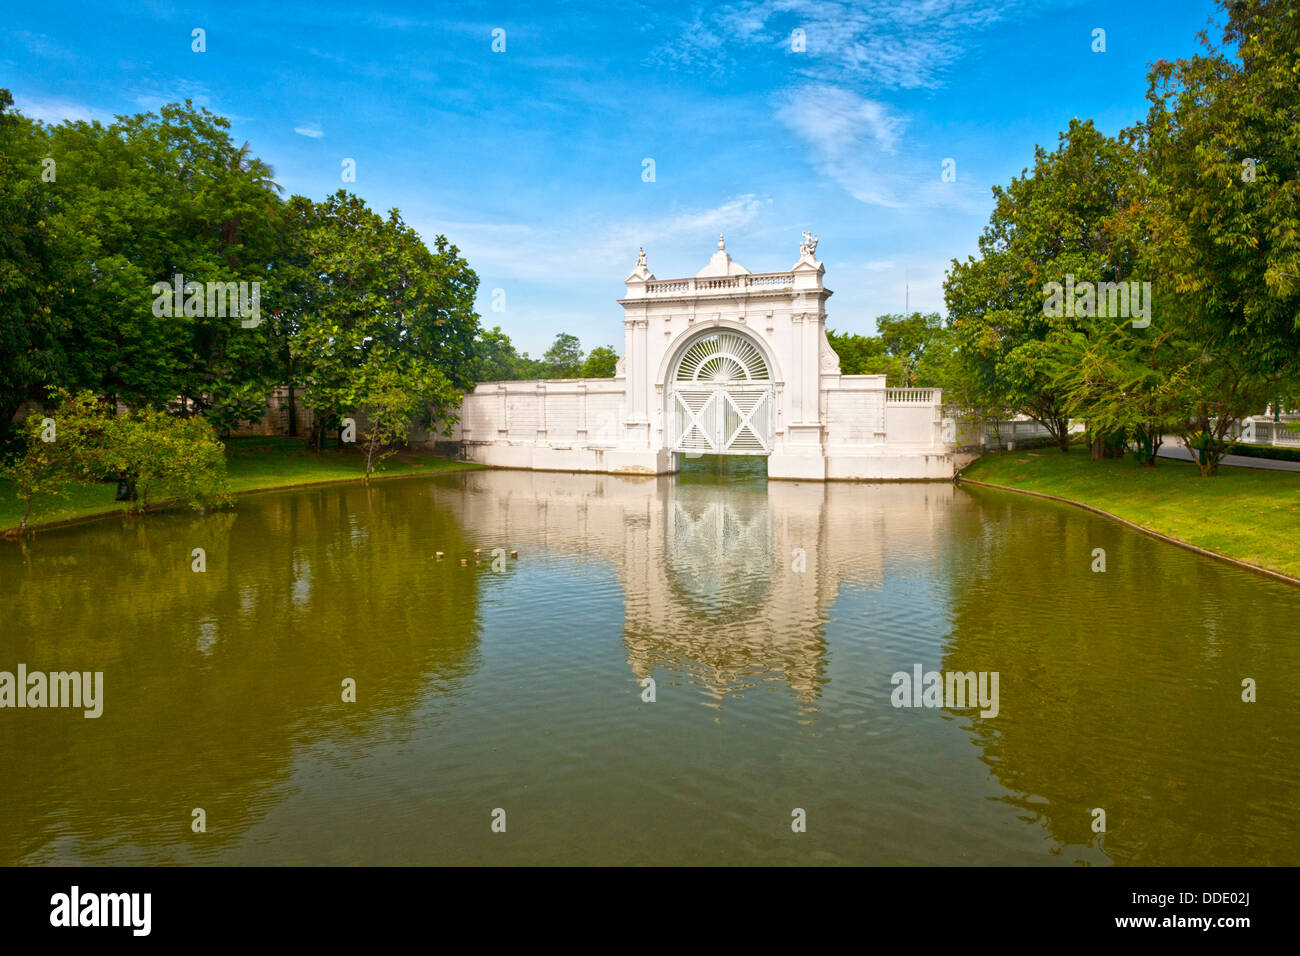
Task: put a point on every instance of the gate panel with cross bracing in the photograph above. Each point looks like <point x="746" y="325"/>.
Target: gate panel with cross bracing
<point x="721" y="398"/>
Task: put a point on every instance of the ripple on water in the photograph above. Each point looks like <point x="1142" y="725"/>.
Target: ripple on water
<point x="771" y="619"/>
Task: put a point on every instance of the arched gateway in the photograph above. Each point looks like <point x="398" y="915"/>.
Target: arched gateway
<point x="720" y="397"/>
<point x="727" y="362"/>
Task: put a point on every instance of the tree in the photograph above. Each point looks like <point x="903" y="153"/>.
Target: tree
<point x="921" y="346"/>
<point x="394" y="392"/>
<point x="1221" y="146"/>
<point x="860" y="354"/>
<point x="145" y="199"/>
<point x="59" y="447"/>
<point x="31" y="324"/>
<point x="182" y="456"/>
<point x="375" y="288"/>
<point x="497" y="361"/>
<point x="564" y="358"/>
<point x="601" y="362"/>
<point x="1048" y="226"/>
<point x="1126" y="383"/>
<point x="909" y="350"/>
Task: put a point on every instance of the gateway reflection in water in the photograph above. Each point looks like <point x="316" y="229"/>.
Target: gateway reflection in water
<point x="520" y="689"/>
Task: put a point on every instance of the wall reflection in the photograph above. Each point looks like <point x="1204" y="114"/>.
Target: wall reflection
<point x="727" y="584"/>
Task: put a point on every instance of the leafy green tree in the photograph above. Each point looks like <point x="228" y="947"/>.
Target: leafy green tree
<point x="1221" y="146"/>
<point x="1125" y="383"/>
<point x="61" y="446"/>
<point x="564" y="358"/>
<point x="920" y="344"/>
<point x="909" y="350"/>
<point x="860" y="354"/>
<point x="181" y="456"/>
<point x="601" y="362"/>
<point x="145" y="199"/>
<point x="32" y="348"/>
<point x="396" y="390"/>
<point x="375" y="288"/>
<point x="1047" y="225"/>
<point x="497" y="361"/>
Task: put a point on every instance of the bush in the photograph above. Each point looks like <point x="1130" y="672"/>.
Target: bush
<point x="183" y="455"/>
<point x="59" y="446"/>
<point x="1264" y="451"/>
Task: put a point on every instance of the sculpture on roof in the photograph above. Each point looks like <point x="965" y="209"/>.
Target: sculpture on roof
<point x="808" y="247"/>
<point x="640" y="259"/>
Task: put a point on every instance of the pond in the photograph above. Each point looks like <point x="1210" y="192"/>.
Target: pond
<point x="510" y="693"/>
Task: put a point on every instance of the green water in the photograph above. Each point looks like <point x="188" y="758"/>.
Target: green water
<point x="518" y="686"/>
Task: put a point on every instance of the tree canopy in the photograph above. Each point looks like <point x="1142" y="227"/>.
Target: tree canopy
<point x="1187" y="222"/>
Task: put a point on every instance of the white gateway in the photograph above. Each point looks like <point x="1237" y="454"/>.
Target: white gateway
<point x="728" y="362"/>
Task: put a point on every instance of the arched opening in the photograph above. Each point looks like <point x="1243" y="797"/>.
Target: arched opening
<point x="720" y="397"/>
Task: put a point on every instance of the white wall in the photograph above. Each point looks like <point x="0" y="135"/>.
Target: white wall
<point x="826" y="425"/>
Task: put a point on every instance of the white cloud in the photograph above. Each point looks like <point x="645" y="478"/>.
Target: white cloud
<point x="158" y="93"/>
<point x="565" y="251"/>
<point x="861" y="145"/>
<point x="851" y="140"/>
<point x="311" y="130"/>
<point x="41" y="45"/>
<point x="883" y="42"/>
<point x="54" y="110"/>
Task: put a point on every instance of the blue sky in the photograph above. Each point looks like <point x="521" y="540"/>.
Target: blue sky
<point x="531" y="160"/>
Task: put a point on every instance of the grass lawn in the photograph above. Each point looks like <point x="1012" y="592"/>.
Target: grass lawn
<point x="1243" y="513"/>
<point x="252" y="464"/>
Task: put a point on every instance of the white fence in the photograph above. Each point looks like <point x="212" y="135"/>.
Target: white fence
<point x="1257" y="431"/>
<point x="567" y="411"/>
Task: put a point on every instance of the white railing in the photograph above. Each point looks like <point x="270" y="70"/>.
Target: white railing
<point x="1266" y="433"/>
<point x="670" y="288"/>
<point x="764" y="282"/>
<point x="913" y="396"/>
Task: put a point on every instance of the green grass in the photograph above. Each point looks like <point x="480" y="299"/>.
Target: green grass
<point x="253" y="464"/>
<point x="1244" y="513"/>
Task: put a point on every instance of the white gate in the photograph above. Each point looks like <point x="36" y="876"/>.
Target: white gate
<point x="722" y="398"/>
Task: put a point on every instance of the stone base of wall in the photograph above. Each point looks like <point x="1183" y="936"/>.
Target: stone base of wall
<point x="796" y="467"/>
<point x="926" y="466"/>
<point x="917" y="466"/>
<point x="614" y="461"/>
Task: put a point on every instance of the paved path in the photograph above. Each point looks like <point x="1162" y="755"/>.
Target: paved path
<point x="1268" y="464"/>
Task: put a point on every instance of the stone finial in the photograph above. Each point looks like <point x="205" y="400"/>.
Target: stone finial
<point x="722" y="244"/>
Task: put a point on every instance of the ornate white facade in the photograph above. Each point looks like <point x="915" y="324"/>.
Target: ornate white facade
<point x="725" y="362"/>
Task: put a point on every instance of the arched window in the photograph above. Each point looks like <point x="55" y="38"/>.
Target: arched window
<point x="722" y="357"/>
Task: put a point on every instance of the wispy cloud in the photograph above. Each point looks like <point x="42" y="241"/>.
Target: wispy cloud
<point x="311" y="130"/>
<point x="602" y="249"/>
<point x="158" y="93"/>
<point x="862" y="146"/>
<point x="850" y="139"/>
<point x="54" y="110"/>
<point x="41" y="45"/>
<point x="883" y="42"/>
